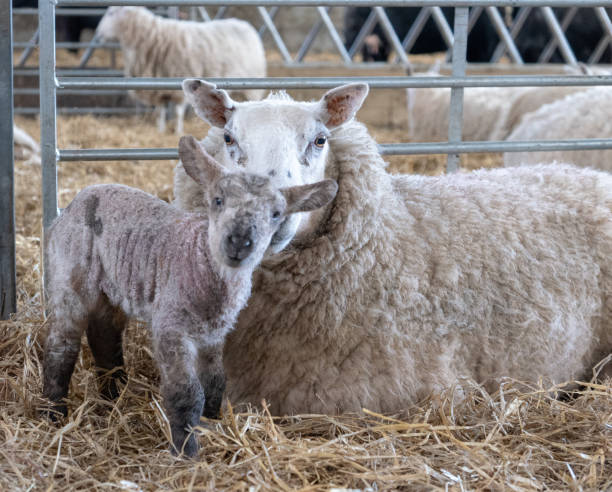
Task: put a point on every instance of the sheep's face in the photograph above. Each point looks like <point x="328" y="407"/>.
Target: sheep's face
<point x="113" y="22"/>
<point x="246" y="210"/>
<point x="283" y="140"/>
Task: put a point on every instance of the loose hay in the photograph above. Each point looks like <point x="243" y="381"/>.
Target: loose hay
<point x="519" y="438"/>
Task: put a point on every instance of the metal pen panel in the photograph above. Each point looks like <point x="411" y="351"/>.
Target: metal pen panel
<point x="8" y="278"/>
<point x="48" y="109"/>
<point x="288" y="83"/>
<point x="455" y="110"/>
<point x="341" y="3"/>
<point x="420" y="148"/>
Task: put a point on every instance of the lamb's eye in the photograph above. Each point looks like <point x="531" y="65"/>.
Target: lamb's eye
<point x="320" y="141"/>
<point x="276" y="215"/>
<point x="228" y="139"/>
<point x="218" y="201"/>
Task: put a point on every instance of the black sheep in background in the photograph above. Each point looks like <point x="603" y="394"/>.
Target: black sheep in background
<point x="583" y="35"/>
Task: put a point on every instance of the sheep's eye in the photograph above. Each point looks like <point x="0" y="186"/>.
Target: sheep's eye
<point x="276" y="214"/>
<point x="320" y="141"/>
<point x="218" y="201"/>
<point x="228" y="139"/>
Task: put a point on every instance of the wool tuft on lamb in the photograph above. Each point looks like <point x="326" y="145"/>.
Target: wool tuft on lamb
<point x="154" y="46"/>
<point x="116" y="251"/>
<point x="405" y="284"/>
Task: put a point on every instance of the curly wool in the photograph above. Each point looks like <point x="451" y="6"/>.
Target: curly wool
<point x="584" y="114"/>
<point x="414" y="282"/>
<point x="154" y="46"/>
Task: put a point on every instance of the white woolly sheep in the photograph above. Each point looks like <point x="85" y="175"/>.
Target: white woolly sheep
<point x="489" y="113"/>
<point x="154" y="46"/>
<point x="404" y="284"/>
<point x="585" y="114"/>
<point x="118" y="252"/>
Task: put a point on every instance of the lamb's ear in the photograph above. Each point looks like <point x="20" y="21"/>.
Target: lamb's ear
<point x="340" y="104"/>
<point x="211" y="104"/>
<point x="198" y="164"/>
<point x="309" y="197"/>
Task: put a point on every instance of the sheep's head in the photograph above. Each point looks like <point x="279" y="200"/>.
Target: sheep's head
<point x="278" y="138"/>
<point x="112" y="23"/>
<point x="246" y="210"/>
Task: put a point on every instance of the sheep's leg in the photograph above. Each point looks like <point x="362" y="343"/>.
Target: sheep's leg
<point x="161" y="119"/>
<point x="60" y="355"/>
<point x="180" y="117"/>
<point x="104" y="334"/>
<point x="180" y="388"/>
<point x="212" y="378"/>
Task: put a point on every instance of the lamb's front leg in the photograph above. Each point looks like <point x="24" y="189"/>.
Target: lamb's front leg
<point x="180" y="388"/>
<point x="212" y="378"/>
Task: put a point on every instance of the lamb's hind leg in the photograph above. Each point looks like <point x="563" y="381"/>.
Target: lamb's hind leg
<point x="104" y="334"/>
<point x="61" y="351"/>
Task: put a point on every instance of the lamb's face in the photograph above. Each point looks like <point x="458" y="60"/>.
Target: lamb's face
<point x="283" y="140"/>
<point x="244" y="212"/>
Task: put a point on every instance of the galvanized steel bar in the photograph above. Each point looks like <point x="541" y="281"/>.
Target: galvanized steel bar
<point x="342" y="3"/>
<point x="155" y="154"/>
<point x="89" y="51"/>
<point x="275" y="34"/>
<point x="504" y="35"/>
<point x="389" y="31"/>
<point x="550" y="47"/>
<point x="416" y="28"/>
<point x="221" y="12"/>
<point x="517" y="25"/>
<point x="68" y="12"/>
<point x="8" y="278"/>
<point x="364" y="32"/>
<point x="557" y="32"/>
<point x="334" y="34"/>
<point x="386" y="82"/>
<point x="455" y="110"/>
<point x="48" y="120"/>
<point x="272" y="13"/>
<point x="599" y="50"/>
<point x="445" y="30"/>
<point x="308" y="40"/>
<point x="33" y="42"/>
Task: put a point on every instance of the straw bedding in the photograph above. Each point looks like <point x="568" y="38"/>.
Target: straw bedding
<point x="520" y="438"/>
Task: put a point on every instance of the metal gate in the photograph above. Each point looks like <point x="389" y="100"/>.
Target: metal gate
<point x="52" y="83"/>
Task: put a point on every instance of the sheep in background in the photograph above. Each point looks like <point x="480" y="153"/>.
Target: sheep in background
<point x="118" y="251"/>
<point x="489" y="113"/>
<point x="154" y="46"/>
<point x="404" y="284"/>
<point x="584" y="114"/>
<point x="26" y="148"/>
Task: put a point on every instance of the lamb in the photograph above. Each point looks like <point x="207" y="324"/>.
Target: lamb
<point x="26" y="148"/>
<point x="117" y="252"/>
<point x="157" y="47"/>
<point x="404" y="284"/>
<point x="489" y="113"/>
<point x="585" y="114"/>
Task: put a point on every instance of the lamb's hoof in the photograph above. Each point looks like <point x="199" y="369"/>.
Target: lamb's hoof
<point x="110" y="384"/>
<point x="54" y="412"/>
<point x="185" y="446"/>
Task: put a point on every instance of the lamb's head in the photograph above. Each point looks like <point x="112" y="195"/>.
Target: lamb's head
<point x="278" y="138"/>
<point x="246" y="209"/>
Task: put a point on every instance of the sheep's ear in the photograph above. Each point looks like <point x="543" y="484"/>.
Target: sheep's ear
<point x="309" y="197"/>
<point x="340" y="104"/>
<point x="198" y="164"/>
<point x="211" y="104"/>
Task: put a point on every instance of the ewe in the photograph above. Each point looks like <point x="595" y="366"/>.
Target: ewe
<point x="157" y="47"/>
<point x="584" y="114"/>
<point x="404" y="284"/>
<point x="117" y="251"/>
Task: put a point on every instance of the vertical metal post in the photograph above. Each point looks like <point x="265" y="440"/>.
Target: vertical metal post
<point x="455" y="112"/>
<point x="8" y="279"/>
<point x="48" y="110"/>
